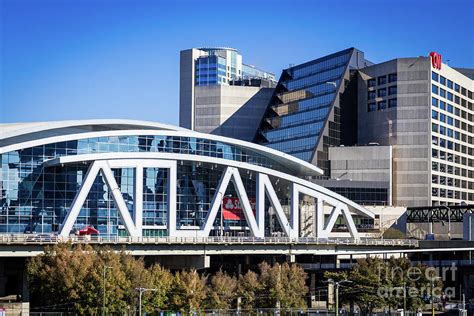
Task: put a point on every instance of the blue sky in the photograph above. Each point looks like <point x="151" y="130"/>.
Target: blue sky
<point x="64" y="59"/>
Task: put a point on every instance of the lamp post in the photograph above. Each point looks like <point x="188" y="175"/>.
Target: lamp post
<point x="336" y="286"/>
<point x="103" y="288"/>
<point x="141" y="290"/>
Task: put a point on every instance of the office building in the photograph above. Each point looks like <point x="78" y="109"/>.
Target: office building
<point x="419" y="107"/>
<point x="308" y="111"/>
<point x="424" y="110"/>
<point x="216" y="85"/>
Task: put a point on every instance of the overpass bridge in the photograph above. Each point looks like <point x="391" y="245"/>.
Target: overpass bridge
<point x="28" y="245"/>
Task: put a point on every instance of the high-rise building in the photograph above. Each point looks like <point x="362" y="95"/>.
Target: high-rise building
<point x="215" y="85"/>
<point x="419" y="107"/>
<point x="307" y="112"/>
<point x="424" y="110"/>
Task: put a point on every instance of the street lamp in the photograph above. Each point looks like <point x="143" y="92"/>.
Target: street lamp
<point x="141" y="290"/>
<point x="336" y="285"/>
<point x="103" y="287"/>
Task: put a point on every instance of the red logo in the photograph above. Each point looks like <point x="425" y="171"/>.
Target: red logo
<point x="435" y="60"/>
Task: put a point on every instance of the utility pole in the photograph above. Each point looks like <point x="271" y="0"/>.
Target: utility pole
<point x="141" y="290"/>
<point x="336" y="286"/>
<point x="103" y="288"/>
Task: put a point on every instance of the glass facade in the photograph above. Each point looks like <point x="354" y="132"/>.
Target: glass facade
<point x="298" y="112"/>
<point x="221" y="65"/>
<point x="36" y="197"/>
<point x="364" y="196"/>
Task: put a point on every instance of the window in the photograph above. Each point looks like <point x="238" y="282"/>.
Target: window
<point x="442" y="117"/>
<point x="392" y="90"/>
<point x="392" y="103"/>
<point x="456" y="87"/>
<point x="434" y="76"/>
<point x="450" y="84"/>
<point x="442" y="92"/>
<point x="434" y="114"/>
<point x="382" y="92"/>
<point x="382" y="80"/>
<point x="434" y="89"/>
<point x="450" y="108"/>
<point x="450" y="121"/>
<point x="392" y="77"/>
<point x="450" y="96"/>
<point x="371" y="95"/>
<point x="442" y="80"/>
<point x="372" y="107"/>
<point x="434" y="127"/>
<point x="371" y="82"/>
<point x="442" y="105"/>
<point x="434" y="102"/>
<point x="442" y="130"/>
<point x="382" y="105"/>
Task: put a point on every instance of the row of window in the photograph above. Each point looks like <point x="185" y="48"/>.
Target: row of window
<point x="457" y="112"/>
<point x="319" y="66"/>
<point x="441" y="142"/>
<point x="382" y="92"/>
<point x="451" y="97"/>
<point x="448" y="83"/>
<point x="450" y="194"/>
<point x="381" y="80"/>
<point x="381" y="105"/>
<point x="452" y="158"/>
<point x="452" y="170"/>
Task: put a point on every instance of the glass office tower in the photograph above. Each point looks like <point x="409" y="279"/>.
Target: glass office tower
<point x="304" y="115"/>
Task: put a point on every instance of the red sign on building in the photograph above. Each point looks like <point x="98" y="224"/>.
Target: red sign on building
<point x="233" y="209"/>
<point x="435" y="60"/>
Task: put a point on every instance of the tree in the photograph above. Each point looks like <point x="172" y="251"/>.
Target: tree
<point x="377" y="283"/>
<point x="222" y="291"/>
<point x="75" y="276"/>
<point x="393" y="233"/>
<point x="282" y="284"/>
<point x="72" y="276"/>
<point x="161" y="280"/>
<point x="188" y="291"/>
<point x="248" y="287"/>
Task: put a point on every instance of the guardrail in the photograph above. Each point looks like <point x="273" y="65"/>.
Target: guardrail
<point x="53" y="239"/>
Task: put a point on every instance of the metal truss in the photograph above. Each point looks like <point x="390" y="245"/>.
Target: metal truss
<point x="442" y="213"/>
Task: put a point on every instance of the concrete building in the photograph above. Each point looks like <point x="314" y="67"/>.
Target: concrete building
<point x="426" y="115"/>
<point x="216" y="85"/>
<point x="419" y="107"/>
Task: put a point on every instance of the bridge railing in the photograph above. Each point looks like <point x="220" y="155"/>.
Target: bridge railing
<point x="52" y="239"/>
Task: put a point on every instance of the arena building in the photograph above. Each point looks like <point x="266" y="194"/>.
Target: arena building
<point x="135" y="178"/>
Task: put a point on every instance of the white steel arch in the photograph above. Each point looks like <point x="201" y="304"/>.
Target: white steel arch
<point x="231" y="173"/>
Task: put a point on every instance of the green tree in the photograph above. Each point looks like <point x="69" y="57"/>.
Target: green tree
<point x="283" y="284"/>
<point x="248" y="287"/>
<point x="222" y="291"/>
<point x="393" y="233"/>
<point x="161" y="280"/>
<point x="73" y="276"/>
<point x="377" y="283"/>
<point x="188" y="291"/>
